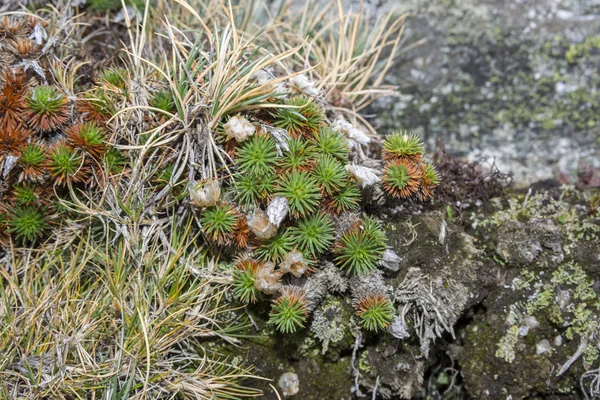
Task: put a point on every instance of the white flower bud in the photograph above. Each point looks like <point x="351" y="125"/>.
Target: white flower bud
<point x="260" y="225"/>
<point x="239" y="128"/>
<point x="206" y="193"/>
<point x="277" y="210"/>
<point x="294" y="263"/>
<point x="304" y="85"/>
<point x="364" y="175"/>
<point x="355" y="136"/>
<point x="267" y="279"/>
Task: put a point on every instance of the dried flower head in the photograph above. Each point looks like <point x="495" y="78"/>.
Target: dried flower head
<point x="294" y="263"/>
<point x="267" y="278"/>
<point x="259" y="224"/>
<point x="238" y="128"/>
<point x="365" y="176"/>
<point x="205" y="193"/>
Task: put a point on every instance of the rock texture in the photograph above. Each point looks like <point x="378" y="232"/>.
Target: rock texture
<point x="512" y="80"/>
<point x="506" y="304"/>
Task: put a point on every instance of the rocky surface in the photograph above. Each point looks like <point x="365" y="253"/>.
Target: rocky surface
<point x="514" y="80"/>
<point x="505" y="304"/>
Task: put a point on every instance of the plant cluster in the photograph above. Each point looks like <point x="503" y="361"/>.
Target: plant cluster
<point x="406" y="174"/>
<point x="293" y="194"/>
<point x="48" y="143"/>
<point x="235" y="155"/>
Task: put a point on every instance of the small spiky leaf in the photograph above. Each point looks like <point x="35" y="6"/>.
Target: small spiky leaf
<point x="372" y="227"/>
<point x="360" y="249"/>
<point x="289" y="310"/>
<point x="313" y="235"/>
<point x="27" y="194"/>
<point x="357" y="252"/>
<point x="430" y="179"/>
<point x="375" y="312"/>
<point x="241" y="232"/>
<point x="65" y="165"/>
<point x="330" y="174"/>
<point x="401" y="178"/>
<point x="27" y="223"/>
<point x="117" y="77"/>
<point x="403" y="145"/>
<point x="163" y="100"/>
<point x="87" y="136"/>
<point x="95" y="107"/>
<point x="258" y="155"/>
<point x="11" y="105"/>
<point x="106" y="5"/>
<point x="251" y="189"/>
<point x="244" y="277"/>
<point x="345" y="200"/>
<point x="299" y="156"/>
<point x="47" y="109"/>
<point x="276" y="248"/>
<point x="332" y="143"/>
<point x="218" y="223"/>
<point x="12" y="140"/>
<point x="302" y="117"/>
<point x="114" y="161"/>
<point x="301" y="191"/>
<point x="32" y="160"/>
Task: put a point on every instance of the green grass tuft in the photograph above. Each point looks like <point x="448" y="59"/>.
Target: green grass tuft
<point x="243" y="281"/>
<point x="304" y="116"/>
<point x="257" y="156"/>
<point x="332" y="143"/>
<point x="300" y="155"/>
<point x="330" y="174"/>
<point x="218" y="223"/>
<point x="251" y="189"/>
<point x="289" y="311"/>
<point x="403" y="145"/>
<point x="313" y="235"/>
<point x="375" y="312"/>
<point x="276" y="248"/>
<point x="302" y="192"/>
<point x="27" y="223"/>
<point x="360" y="249"/>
